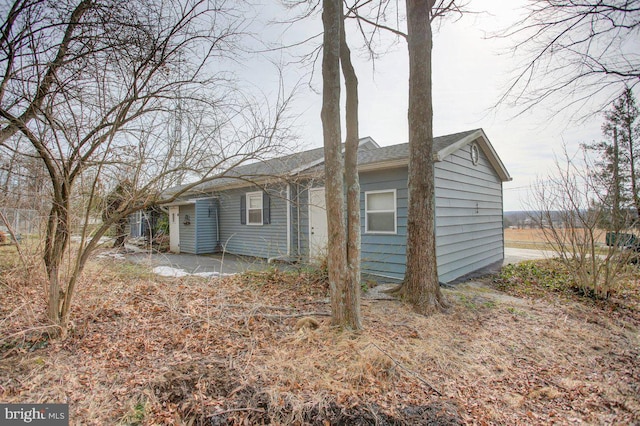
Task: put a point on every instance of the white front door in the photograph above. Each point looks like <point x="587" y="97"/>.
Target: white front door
<point x="174" y="229"/>
<point x="318" y="232"/>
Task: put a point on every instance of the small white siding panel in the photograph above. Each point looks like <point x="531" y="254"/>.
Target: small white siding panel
<point x="469" y="233"/>
<point x="294" y="194"/>
<point x="302" y="224"/>
<point x="302" y="212"/>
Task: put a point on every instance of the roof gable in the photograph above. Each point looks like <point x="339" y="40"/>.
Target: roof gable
<point x="370" y="156"/>
<point x="443" y="146"/>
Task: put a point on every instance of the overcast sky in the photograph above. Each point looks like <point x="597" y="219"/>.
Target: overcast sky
<point x="470" y="71"/>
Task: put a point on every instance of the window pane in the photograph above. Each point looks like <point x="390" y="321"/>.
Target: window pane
<point x="255" y="201"/>
<point x="381" y="222"/>
<point x="380" y="201"/>
<point x="255" y="216"/>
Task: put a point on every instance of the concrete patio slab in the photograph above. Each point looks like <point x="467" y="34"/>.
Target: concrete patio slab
<point x="200" y="264"/>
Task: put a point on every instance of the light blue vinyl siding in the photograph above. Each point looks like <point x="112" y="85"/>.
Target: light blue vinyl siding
<point x="469" y="233"/>
<point x="199" y="236"/>
<point x="188" y="232"/>
<point x="269" y="240"/>
<point x="206" y="226"/>
<point x="385" y="254"/>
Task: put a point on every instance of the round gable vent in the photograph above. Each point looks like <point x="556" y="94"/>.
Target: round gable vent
<point x="475" y="154"/>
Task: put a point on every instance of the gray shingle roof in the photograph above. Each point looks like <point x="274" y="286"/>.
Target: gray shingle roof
<point x="278" y="166"/>
<point x="311" y="160"/>
<point x="401" y="151"/>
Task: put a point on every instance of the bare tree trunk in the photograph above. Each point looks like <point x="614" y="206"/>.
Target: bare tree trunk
<point x="352" y="284"/>
<point x="617" y="217"/>
<point x="121" y="233"/>
<point x="421" y="287"/>
<point x="344" y="232"/>
<point x="56" y="243"/>
<point x="336" y="253"/>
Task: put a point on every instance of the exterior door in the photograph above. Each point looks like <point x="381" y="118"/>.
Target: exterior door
<point x="318" y="233"/>
<point x="174" y="229"/>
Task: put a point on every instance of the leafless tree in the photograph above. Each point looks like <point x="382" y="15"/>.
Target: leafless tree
<point x="343" y="249"/>
<point x="577" y="54"/>
<point x="420" y="286"/>
<point x="570" y="209"/>
<point x="92" y="88"/>
<point x="352" y="182"/>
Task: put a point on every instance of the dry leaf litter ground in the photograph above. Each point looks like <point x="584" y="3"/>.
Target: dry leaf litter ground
<point x="150" y="350"/>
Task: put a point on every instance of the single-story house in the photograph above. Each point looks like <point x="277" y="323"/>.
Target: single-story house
<point x="280" y="213"/>
<point x="144" y="223"/>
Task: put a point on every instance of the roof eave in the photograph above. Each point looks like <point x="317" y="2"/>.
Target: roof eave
<point x="389" y="164"/>
<point x="482" y="139"/>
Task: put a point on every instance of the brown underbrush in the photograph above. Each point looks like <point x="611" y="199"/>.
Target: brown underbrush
<point x="150" y="350"/>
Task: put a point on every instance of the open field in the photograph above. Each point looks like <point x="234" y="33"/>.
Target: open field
<point x="533" y="238"/>
<point x="150" y="350"/>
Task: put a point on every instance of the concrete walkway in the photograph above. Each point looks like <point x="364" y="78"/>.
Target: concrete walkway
<point x="200" y="264"/>
<point x="515" y="255"/>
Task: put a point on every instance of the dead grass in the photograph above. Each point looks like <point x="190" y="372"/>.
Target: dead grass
<point x="169" y="351"/>
<point x="535" y="236"/>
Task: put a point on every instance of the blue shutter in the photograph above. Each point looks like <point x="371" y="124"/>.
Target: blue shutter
<point x="266" y="208"/>
<point x="243" y="209"/>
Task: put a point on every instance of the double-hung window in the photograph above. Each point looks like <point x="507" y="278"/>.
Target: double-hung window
<point x="380" y="212"/>
<point x="254" y="208"/>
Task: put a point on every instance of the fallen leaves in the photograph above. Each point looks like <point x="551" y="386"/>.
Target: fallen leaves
<point x="170" y="351"/>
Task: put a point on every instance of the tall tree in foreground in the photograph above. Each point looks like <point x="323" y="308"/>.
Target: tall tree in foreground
<point x="352" y="183"/>
<point x="421" y="287"/>
<point x="343" y="251"/>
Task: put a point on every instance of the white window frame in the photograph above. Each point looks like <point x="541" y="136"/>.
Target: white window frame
<point x="248" y="204"/>
<point x="394" y="211"/>
<point x="138" y="222"/>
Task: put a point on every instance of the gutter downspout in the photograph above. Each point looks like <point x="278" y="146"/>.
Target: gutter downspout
<point x="298" y="217"/>
<point x="217" y="205"/>
<point x="288" y="219"/>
